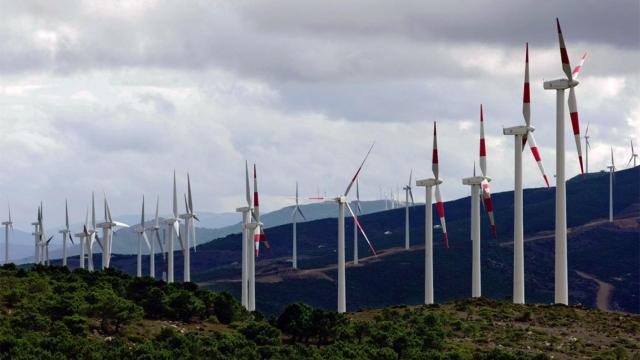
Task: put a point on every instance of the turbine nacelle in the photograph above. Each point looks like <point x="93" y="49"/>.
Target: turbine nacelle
<point x="475" y="180"/>
<point x="560" y="84"/>
<point x="428" y="182"/>
<point x="518" y="130"/>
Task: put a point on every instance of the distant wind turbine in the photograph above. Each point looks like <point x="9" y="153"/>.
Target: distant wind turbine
<point x="7" y="225"/>
<point x="247" y="241"/>
<point x="65" y="233"/>
<point x="142" y="235"/>
<point x="407" y="193"/>
<point x="107" y="233"/>
<point x="355" y="226"/>
<point x="587" y="147"/>
<point x="342" y="202"/>
<point x="152" y="252"/>
<point x="633" y="156"/>
<point x="612" y="169"/>
<point x="294" y="220"/>
<point x="173" y="228"/>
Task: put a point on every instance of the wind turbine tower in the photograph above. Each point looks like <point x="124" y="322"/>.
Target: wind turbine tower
<point x="247" y="241"/>
<point x="612" y="169"/>
<point x="65" y="233"/>
<point x="407" y="193"/>
<point x="428" y="220"/>
<point x="560" y="85"/>
<point x="173" y="228"/>
<point x="7" y="225"/>
<point x="294" y="220"/>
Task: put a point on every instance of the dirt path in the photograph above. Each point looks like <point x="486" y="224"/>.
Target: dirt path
<point x="604" y="291"/>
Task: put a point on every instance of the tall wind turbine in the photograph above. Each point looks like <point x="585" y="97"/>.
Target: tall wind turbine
<point x="587" y="147"/>
<point x="407" y="193"/>
<point x="260" y="236"/>
<point x="66" y="232"/>
<point x="355" y="227"/>
<point x="142" y="235"/>
<point x="560" y="85"/>
<point x="173" y="228"/>
<point x="190" y="231"/>
<point x="612" y="169"/>
<point x="428" y="219"/>
<point x="294" y="220"/>
<point x="342" y="202"/>
<point x="521" y="134"/>
<point x="7" y="225"/>
<point x="152" y="251"/>
<point x="633" y="156"/>
<point x="37" y="259"/>
<point x="255" y="232"/>
<point x="107" y="229"/>
<point x="83" y="238"/>
<point x="247" y="241"/>
<point x="477" y="184"/>
<point x="91" y="234"/>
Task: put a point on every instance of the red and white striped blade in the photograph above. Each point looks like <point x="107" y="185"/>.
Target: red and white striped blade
<point x="483" y="149"/>
<point x="576" y="70"/>
<point x="526" y="95"/>
<point x="566" y="66"/>
<point x="357" y="221"/>
<point x="434" y="159"/>
<point x="440" y="210"/>
<point x="256" y="201"/>
<point x="260" y="237"/>
<point x="536" y="155"/>
<point x="575" y="124"/>
<point x="358" y="172"/>
<point x="488" y="205"/>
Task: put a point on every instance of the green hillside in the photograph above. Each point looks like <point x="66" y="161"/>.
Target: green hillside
<point x="51" y="313"/>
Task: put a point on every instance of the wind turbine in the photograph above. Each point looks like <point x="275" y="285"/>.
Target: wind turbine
<point x="142" y="235"/>
<point x="247" y="241"/>
<point x="560" y="85"/>
<point x="173" y="228"/>
<point x="587" y="147"/>
<point x="7" y="225"/>
<point x="91" y="234"/>
<point x="478" y="183"/>
<point x="260" y="236"/>
<point x="36" y="234"/>
<point x="612" y="169"/>
<point x="355" y="227"/>
<point x="521" y="134"/>
<point x="342" y="202"/>
<point x="428" y="219"/>
<point x="190" y="229"/>
<point x="65" y="233"/>
<point x="294" y="219"/>
<point x="152" y="252"/>
<point x="255" y="234"/>
<point x="83" y="238"/>
<point x="107" y="231"/>
<point x="407" y="193"/>
<point x="633" y="156"/>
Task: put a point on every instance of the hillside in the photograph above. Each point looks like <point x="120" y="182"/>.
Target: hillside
<point x="607" y="252"/>
<point x="51" y="313"/>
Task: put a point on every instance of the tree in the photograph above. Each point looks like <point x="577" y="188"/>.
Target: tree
<point x="295" y="320"/>
<point x="112" y="310"/>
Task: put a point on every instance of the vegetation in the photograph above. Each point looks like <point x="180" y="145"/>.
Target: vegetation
<point x="52" y="313"/>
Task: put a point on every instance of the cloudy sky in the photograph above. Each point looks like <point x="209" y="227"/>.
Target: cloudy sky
<point x="113" y="95"/>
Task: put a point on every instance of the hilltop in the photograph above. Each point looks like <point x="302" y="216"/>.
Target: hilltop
<point x="49" y="312"/>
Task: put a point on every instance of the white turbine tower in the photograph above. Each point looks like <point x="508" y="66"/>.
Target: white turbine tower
<point x="173" y="228"/>
<point x="190" y="231"/>
<point x="107" y="230"/>
<point x="65" y="233"/>
<point x="633" y="156"/>
<point x="142" y="235"/>
<point x="522" y="134"/>
<point x="428" y="219"/>
<point x="255" y="233"/>
<point x="612" y="169"/>
<point x="477" y="184"/>
<point x="247" y="241"/>
<point x="355" y="227"/>
<point x="36" y="235"/>
<point x="407" y="193"/>
<point x="91" y="234"/>
<point x="342" y="202"/>
<point x="7" y="225"/>
<point x="560" y="85"/>
<point x="294" y="220"/>
<point x="156" y="231"/>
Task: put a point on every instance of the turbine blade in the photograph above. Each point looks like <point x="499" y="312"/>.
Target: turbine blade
<point x="142" y="214"/>
<point x="66" y="213"/>
<point x="93" y="210"/>
<point x="586" y="133"/>
<point x="146" y="240"/>
<point x="157" y="222"/>
<point x="355" y="219"/>
<point x="576" y="70"/>
<point x="488" y="205"/>
<point x="175" y="197"/>
<point x="301" y="214"/>
<point x="526" y="96"/>
<point x="483" y="149"/>
<point x="189" y="194"/>
<point x="564" y="57"/>
<point x="355" y="177"/>
<point x="256" y="197"/>
<point x="536" y="155"/>
<point x="440" y="211"/>
<point x="413" y="203"/>
<point x="157" y="231"/>
<point x="248" y="189"/>
<point x="575" y="124"/>
<point x="434" y="159"/>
